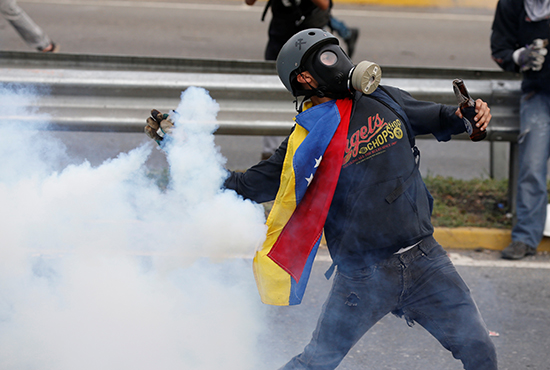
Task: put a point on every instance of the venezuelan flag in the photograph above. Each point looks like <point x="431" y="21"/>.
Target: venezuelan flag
<point x="295" y="224"/>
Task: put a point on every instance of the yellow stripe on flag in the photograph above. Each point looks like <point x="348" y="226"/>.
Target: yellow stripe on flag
<point x="275" y="290"/>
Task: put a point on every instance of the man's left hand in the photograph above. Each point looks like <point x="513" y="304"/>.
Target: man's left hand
<point x="483" y="114"/>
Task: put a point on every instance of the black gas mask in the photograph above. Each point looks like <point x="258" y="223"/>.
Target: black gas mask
<point x="331" y="68"/>
<point x="337" y="76"/>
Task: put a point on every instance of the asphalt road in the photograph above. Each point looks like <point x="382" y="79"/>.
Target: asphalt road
<point x="512" y="297"/>
<point x="228" y="29"/>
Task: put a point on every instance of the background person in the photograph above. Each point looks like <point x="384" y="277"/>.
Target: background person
<point x="292" y="16"/>
<point x="33" y="35"/>
<point x="520" y="32"/>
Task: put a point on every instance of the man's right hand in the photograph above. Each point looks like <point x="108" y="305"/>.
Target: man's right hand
<point x="532" y="56"/>
<point x="158" y="125"/>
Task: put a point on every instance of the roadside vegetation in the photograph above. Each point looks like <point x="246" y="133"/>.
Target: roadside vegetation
<point x="477" y="203"/>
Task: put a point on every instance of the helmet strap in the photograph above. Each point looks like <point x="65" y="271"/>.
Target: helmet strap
<point x="307" y="94"/>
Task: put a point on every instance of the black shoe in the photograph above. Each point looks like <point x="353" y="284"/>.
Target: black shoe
<point x="52" y="48"/>
<point x="517" y="250"/>
<point x="352" y="40"/>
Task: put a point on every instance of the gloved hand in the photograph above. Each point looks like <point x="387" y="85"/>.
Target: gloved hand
<point x="158" y="125"/>
<point x="532" y="56"/>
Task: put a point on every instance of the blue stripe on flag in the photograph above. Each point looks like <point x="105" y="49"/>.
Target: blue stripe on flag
<point x="321" y="121"/>
<point x="297" y="290"/>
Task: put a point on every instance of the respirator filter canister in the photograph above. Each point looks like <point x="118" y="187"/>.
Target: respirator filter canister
<point x="366" y="76"/>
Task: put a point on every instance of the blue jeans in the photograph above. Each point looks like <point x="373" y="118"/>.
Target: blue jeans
<point x="24" y="25"/>
<point x="423" y="286"/>
<point x="534" y="151"/>
<point x="339" y="27"/>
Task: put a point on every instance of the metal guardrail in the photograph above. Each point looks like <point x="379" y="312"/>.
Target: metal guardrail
<point x="116" y="93"/>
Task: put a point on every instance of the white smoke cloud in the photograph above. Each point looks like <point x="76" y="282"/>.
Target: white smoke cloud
<point x="101" y="269"/>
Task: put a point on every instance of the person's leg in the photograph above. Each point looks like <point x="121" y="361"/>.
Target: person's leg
<point x="279" y="31"/>
<point x="24" y="25"/>
<point x="339" y="27"/>
<point x="439" y="300"/>
<point x="354" y="305"/>
<point x="349" y="35"/>
<point x="534" y="150"/>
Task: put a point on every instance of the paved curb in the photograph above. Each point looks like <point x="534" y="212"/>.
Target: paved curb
<point x="477" y="237"/>
<point x="485" y="4"/>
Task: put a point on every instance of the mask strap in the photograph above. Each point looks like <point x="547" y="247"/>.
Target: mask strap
<point x="307" y="94"/>
<point x="296" y="104"/>
<point x="315" y="90"/>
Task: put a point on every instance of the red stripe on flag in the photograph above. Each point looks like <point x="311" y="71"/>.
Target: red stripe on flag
<point x="305" y="227"/>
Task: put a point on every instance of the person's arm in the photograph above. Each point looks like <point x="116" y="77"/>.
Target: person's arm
<point x="440" y="120"/>
<point x="505" y="34"/>
<point x="260" y="183"/>
<point x="321" y="4"/>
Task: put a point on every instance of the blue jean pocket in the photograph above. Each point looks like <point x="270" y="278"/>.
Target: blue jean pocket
<point x="434" y="252"/>
<point x="363" y="274"/>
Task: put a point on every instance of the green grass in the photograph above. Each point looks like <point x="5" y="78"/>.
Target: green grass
<point x="461" y="203"/>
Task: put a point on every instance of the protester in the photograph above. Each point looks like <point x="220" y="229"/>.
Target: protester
<point x="520" y="33"/>
<point x="33" y="35"/>
<point x="350" y="167"/>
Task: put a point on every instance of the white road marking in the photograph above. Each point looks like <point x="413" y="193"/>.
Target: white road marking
<point x="461" y="260"/>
